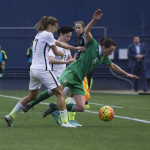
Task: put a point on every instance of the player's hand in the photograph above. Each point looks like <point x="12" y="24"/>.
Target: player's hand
<point x="132" y="76"/>
<point x="97" y="15"/>
<point x="61" y="54"/>
<point x="82" y="48"/>
<point x="71" y="60"/>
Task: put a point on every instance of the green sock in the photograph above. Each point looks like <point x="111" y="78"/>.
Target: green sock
<point x="44" y="95"/>
<point x="70" y="107"/>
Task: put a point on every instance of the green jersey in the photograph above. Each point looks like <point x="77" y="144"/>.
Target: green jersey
<point x="88" y="60"/>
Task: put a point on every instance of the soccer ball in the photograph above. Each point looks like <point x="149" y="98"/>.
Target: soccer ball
<point x="106" y="113"/>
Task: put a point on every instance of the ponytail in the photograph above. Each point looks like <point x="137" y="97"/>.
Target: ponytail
<point x="44" y="22"/>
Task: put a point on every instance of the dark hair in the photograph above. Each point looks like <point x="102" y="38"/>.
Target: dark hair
<point x="64" y="30"/>
<point x="79" y="22"/>
<point x="107" y="42"/>
<point x="44" y="22"/>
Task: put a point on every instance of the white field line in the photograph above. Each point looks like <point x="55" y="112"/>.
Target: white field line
<point x="134" y="119"/>
<point x="104" y="105"/>
<point x="10" y="97"/>
<point x="88" y="111"/>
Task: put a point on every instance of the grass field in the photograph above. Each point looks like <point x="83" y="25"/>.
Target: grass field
<point x="129" y="130"/>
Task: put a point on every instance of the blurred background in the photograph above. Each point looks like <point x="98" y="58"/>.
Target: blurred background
<point x="121" y="21"/>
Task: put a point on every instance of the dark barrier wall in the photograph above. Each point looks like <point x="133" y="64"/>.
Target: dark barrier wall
<point x="122" y="18"/>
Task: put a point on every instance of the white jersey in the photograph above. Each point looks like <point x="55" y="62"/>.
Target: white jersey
<point x="59" y="68"/>
<point x="41" y="46"/>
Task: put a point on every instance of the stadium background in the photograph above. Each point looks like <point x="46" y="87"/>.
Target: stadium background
<point x="120" y="23"/>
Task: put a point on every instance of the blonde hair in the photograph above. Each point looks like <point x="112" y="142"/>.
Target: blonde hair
<point x="44" y="22"/>
<point x="79" y="22"/>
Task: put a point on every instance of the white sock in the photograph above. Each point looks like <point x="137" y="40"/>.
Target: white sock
<point x="71" y="101"/>
<point x="16" y="109"/>
<point x="50" y="92"/>
<point x="65" y="90"/>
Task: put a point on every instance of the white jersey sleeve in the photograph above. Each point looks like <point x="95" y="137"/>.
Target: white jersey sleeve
<point x="59" y="68"/>
<point x="50" y="39"/>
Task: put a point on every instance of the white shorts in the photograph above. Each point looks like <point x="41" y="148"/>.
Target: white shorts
<point x="37" y="77"/>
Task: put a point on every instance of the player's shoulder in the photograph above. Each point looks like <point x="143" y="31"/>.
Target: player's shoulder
<point x="82" y="35"/>
<point x="92" y="41"/>
<point x="45" y="34"/>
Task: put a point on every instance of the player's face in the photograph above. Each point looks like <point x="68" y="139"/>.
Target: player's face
<point x="78" y="28"/>
<point x="108" y="51"/>
<point x="53" y="28"/>
<point x="66" y="37"/>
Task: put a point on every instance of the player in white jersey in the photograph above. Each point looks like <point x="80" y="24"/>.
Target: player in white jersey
<point x="58" y="65"/>
<point x="40" y="69"/>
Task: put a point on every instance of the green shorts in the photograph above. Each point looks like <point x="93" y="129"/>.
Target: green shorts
<point x="70" y="80"/>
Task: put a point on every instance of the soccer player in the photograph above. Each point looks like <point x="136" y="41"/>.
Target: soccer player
<point x="3" y="58"/>
<point x="74" y="74"/>
<point x="80" y="41"/>
<point x="40" y="69"/>
<point x="30" y="54"/>
<point x="58" y="65"/>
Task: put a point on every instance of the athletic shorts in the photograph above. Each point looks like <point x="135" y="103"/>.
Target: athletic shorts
<point x="70" y="80"/>
<point x="39" y="77"/>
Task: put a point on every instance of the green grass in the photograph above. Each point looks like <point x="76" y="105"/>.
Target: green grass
<point x="32" y="132"/>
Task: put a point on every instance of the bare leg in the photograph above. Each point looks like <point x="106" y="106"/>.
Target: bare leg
<point x="32" y="95"/>
<point x="60" y="98"/>
<point x="80" y="103"/>
<point x="23" y="102"/>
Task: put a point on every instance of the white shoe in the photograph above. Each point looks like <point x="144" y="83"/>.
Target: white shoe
<point x="67" y="125"/>
<point x="74" y="123"/>
<point x="9" y="120"/>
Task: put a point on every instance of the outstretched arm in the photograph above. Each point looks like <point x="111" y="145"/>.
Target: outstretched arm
<point x="56" y="52"/>
<point x="97" y="15"/>
<point x="67" y="46"/>
<point x="121" y="71"/>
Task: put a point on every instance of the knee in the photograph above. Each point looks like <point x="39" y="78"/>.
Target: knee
<point x="81" y="108"/>
<point x="59" y="93"/>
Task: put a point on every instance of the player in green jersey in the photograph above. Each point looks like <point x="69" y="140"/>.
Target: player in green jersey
<point x="74" y="74"/>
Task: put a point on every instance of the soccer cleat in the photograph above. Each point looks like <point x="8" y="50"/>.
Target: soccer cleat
<point x="9" y="120"/>
<point x="67" y="125"/>
<point x="56" y="116"/>
<point x="50" y="109"/>
<point x="74" y="123"/>
<point x="27" y="107"/>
